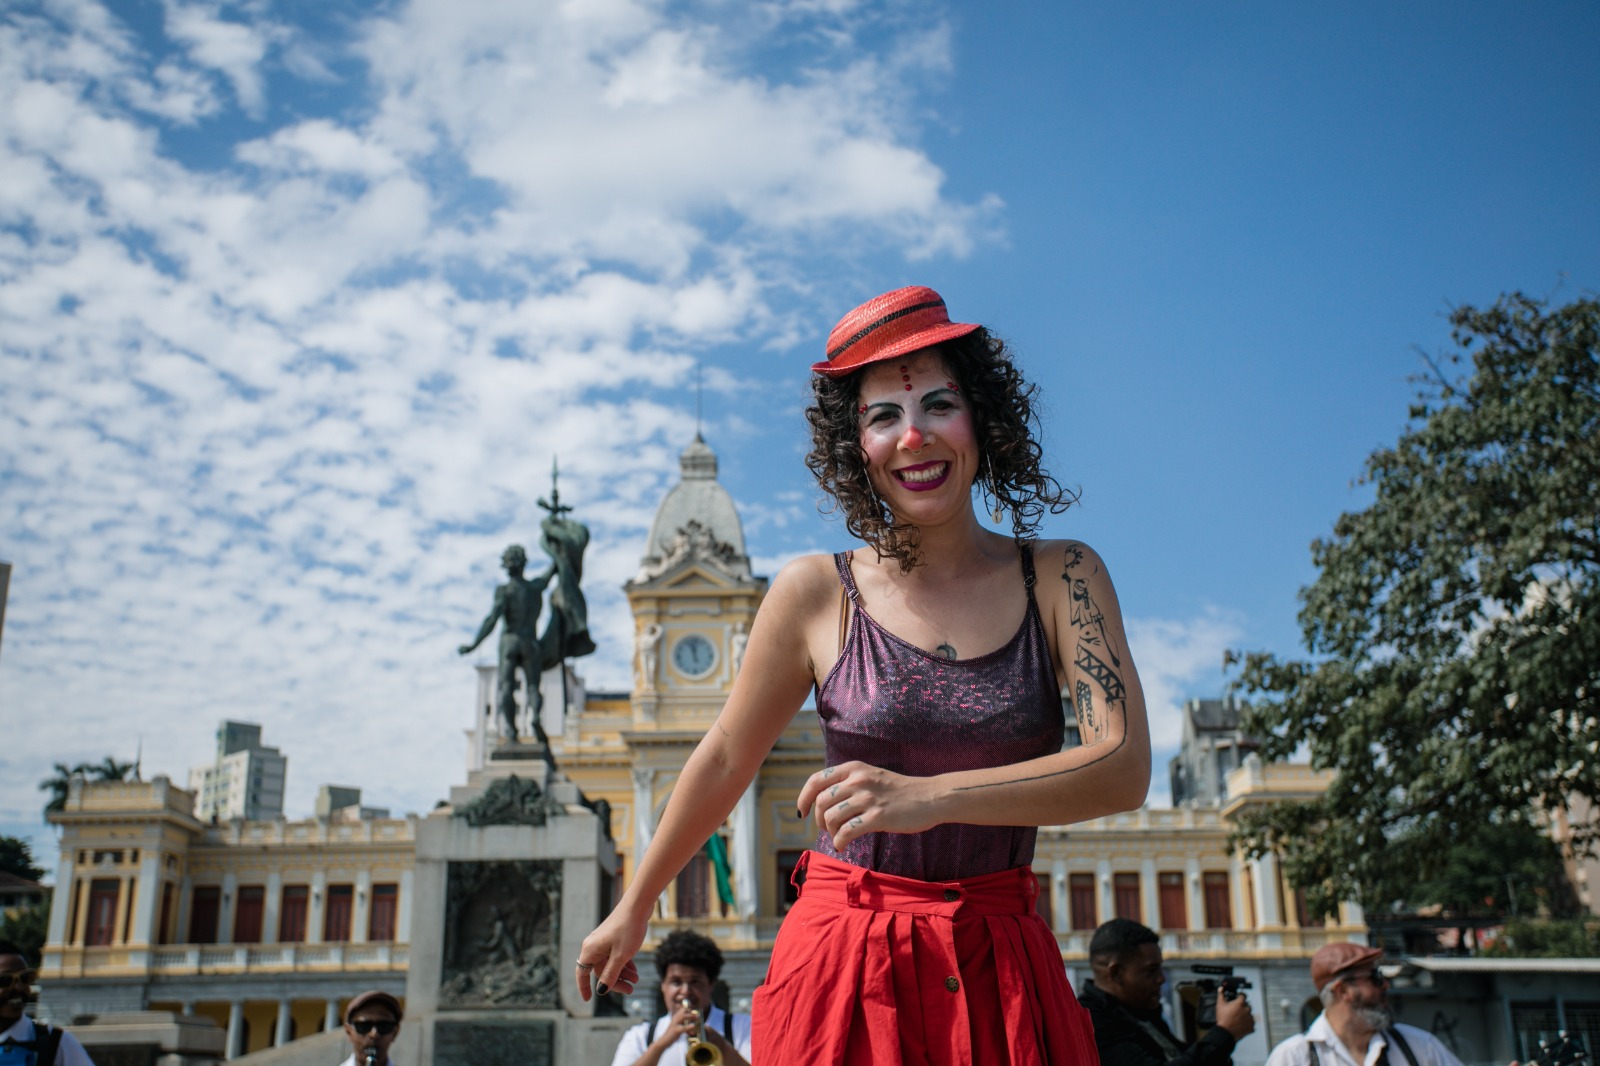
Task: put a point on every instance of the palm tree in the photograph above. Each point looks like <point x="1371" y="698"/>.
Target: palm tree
<point x="107" y="769"/>
<point x="58" y="785"/>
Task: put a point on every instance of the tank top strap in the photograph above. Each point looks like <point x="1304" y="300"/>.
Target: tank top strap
<point x="1025" y="549"/>
<point x="846" y="577"/>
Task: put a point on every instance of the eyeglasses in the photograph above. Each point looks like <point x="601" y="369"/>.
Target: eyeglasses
<point x="363" y="1027"/>
<point x="1377" y="979"/>
<point x="13" y="978"/>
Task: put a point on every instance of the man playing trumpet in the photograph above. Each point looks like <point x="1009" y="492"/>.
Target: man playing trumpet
<point x="688" y="965"/>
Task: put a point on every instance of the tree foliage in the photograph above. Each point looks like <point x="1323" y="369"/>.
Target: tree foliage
<point x="60" y="779"/>
<point x="16" y="857"/>
<point x="1566" y="938"/>
<point x="26" y="928"/>
<point x="1502" y="868"/>
<point x="1453" y="629"/>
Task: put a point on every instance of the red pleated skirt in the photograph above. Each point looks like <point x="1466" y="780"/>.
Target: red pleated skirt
<point x="892" y="971"/>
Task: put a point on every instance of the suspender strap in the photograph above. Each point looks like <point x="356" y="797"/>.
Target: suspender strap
<point x="1394" y="1037"/>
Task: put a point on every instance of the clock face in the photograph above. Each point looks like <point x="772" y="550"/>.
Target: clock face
<point x="694" y="656"/>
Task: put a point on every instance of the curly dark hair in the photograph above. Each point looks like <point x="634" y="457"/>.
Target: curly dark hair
<point x="685" y="947"/>
<point x="1009" y="458"/>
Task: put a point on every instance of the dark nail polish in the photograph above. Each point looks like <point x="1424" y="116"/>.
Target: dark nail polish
<point x="602" y="989"/>
<point x="797" y="813"/>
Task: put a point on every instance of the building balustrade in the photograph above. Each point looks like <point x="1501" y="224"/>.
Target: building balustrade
<point x="225" y="959"/>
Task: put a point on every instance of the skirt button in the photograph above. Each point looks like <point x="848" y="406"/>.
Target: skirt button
<point x="952" y="984"/>
<point x="951" y="895"/>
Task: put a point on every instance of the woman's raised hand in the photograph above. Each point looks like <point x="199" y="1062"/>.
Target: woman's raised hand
<point x="853" y="799"/>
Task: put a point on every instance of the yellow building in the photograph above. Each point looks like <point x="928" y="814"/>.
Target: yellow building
<point x="267" y="926"/>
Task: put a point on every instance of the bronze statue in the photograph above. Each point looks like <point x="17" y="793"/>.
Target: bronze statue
<point x="517" y="604"/>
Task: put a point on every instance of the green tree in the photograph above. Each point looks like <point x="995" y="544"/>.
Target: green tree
<point x="16" y="857"/>
<point x="26" y="928"/>
<point x="1453" y="630"/>
<point x="1566" y="938"/>
<point x="1502" y="868"/>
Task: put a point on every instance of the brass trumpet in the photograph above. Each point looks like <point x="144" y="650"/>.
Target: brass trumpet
<point x="701" y="1051"/>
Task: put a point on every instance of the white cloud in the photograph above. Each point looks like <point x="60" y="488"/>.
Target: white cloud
<point x="1177" y="659"/>
<point x="233" y="49"/>
<point x="273" y="411"/>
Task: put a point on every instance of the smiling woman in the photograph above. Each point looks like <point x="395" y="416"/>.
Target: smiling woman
<point x="915" y="937"/>
<point x="979" y="370"/>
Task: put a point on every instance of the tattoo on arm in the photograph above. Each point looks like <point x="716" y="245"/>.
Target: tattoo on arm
<point x="1086" y="710"/>
<point x="1108" y="680"/>
<point x="1090" y="623"/>
<point x="1089" y="620"/>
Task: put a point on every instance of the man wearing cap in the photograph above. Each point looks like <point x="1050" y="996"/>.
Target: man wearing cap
<point x="1357" y="1026"/>
<point x="1124" y="1003"/>
<point x="371" y="1021"/>
<point x="22" y="1040"/>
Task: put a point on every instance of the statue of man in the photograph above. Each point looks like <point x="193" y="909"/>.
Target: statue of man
<point x="517" y="604"/>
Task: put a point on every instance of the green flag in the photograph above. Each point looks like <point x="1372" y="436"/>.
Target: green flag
<point x="717" y="852"/>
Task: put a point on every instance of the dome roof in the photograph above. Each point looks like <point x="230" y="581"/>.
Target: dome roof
<point x="696" y="517"/>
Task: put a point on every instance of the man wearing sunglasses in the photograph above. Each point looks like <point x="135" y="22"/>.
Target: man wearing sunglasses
<point x="371" y="1021"/>
<point x="24" y="1042"/>
<point x="1357" y="1026"/>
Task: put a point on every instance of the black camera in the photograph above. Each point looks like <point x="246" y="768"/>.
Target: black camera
<point x="1199" y="996"/>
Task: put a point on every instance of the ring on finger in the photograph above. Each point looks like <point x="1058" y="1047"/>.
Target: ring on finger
<point x="585" y="965"/>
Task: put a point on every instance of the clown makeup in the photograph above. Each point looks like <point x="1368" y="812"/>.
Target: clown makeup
<point x="916" y="430"/>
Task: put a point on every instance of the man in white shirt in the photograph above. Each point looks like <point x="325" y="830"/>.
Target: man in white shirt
<point x="371" y="1021"/>
<point x="688" y="964"/>
<point x="22" y="1041"/>
<point x="1357" y="1026"/>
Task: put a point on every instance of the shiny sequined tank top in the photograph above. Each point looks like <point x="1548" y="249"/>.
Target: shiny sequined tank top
<point x="892" y="705"/>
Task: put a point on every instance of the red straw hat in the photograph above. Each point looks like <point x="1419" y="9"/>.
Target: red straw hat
<point x="887" y="326"/>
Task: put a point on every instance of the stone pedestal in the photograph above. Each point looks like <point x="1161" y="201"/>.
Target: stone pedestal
<point x="509" y="879"/>
<point x="151" y="1038"/>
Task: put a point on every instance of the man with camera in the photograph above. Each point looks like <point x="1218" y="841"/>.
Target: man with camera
<point x="1357" y="1024"/>
<point x="1124" y="1003"/>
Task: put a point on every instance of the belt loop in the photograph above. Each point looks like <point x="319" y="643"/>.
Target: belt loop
<point x="1030" y="885"/>
<point x="852" y="886"/>
<point x="798" y="877"/>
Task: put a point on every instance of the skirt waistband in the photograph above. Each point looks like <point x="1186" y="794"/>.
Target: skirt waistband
<point x="1011" y="891"/>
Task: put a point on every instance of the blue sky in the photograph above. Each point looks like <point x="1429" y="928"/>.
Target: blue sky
<point x="297" y="301"/>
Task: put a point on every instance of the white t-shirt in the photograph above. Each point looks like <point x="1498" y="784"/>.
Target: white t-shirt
<point x="70" y="1053"/>
<point x="635" y="1043"/>
<point x="351" y="1061"/>
<point x="1321" y="1046"/>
